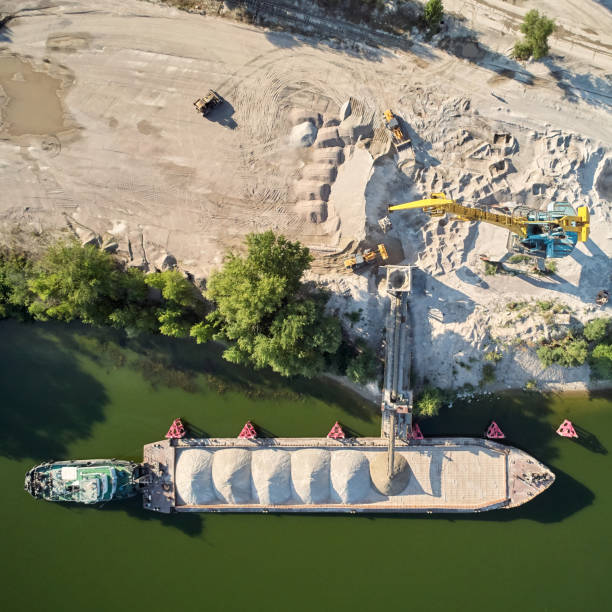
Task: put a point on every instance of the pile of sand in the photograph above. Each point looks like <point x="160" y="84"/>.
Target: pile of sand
<point x="193" y="477"/>
<point x="271" y="472"/>
<point x="310" y="475"/>
<point x="350" y="477"/>
<point x="231" y="475"/>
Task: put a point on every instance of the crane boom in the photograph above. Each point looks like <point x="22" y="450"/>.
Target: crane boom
<point x="438" y="205"/>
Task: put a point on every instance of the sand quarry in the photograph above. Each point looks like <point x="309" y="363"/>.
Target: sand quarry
<point x="99" y="138"/>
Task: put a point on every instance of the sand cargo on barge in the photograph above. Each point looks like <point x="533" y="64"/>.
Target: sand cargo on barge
<point x="324" y="475"/>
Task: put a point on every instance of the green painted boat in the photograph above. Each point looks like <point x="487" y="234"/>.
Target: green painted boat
<point x="84" y="481"/>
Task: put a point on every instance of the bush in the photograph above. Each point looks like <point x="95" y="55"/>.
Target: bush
<point x="493" y="356"/>
<point x="596" y="330"/>
<point x="516" y="305"/>
<point x="434" y="12"/>
<point x="522" y="50"/>
<point x="515" y="259"/>
<point x="488" y="373"/>
<point x="569" y="352"/>
<point x="551" y="266"/>
<point x="491" y="268"/>
<point x="363" y="367"/>
<point x="537" y="29"/>
<point x="430" y="402"/>
<point x="601" y="362"/>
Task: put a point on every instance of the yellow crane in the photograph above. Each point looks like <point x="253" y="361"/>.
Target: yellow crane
<point x="541" y="233"/>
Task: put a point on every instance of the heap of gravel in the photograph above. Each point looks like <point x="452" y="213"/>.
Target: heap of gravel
<point x="389" y="484"/>
<point x="350" y="476"/>
<point x="310" y="475"/>
<point x="303" y="134"/>
<point x="271" y="472"/>
<point x="193" y="477"/>
<point x="231" y="475"/>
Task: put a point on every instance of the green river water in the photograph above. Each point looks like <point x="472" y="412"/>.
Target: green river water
<point x="68" y="392"/>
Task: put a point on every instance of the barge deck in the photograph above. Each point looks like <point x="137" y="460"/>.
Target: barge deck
<point x="323" y="475"/>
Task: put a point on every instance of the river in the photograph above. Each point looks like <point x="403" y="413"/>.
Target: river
<point x="72" y="392"/>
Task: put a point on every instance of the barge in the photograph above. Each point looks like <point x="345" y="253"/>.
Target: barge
<point x="347" y="476"/>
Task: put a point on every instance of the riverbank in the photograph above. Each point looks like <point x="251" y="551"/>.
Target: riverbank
<point x="66" y="397"/>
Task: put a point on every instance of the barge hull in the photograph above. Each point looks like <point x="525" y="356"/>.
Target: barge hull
<point x="447" y="475"/>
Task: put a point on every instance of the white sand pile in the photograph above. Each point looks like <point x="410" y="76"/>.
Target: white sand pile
<point x="231" y="474"/>
<point x="350" y="476"/>
<point x="310" y="475"/>
<point x="193" y="477"/>
<point x="347" y="199"/>
<point x="303" y="134"/>
<point x="271" y="471"/>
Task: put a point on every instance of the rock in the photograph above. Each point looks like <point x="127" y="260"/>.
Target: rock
<point x="110" y="246"/>
<point x="166" y="262"/>
<point x="328" y="137"/>
<point x="345" y="110"/>
<point x="91" y="239"/>
<point x="300" y="115"/>
<point x="303" y="134"/>
<point x="330" y="122"/>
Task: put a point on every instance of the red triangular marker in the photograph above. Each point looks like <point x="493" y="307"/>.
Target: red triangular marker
<point x="176" y="429"/>
<point x="248" y="431"/>
<point x="416" y="432"/>
<point x="494" y="432"/>
<point x="336" y="432"/>
<point x="566" y="429"/>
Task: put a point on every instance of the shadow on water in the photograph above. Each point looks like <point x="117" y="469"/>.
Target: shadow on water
<point x="168" y="362"/>
<point x="523" y="419"/>
<point x="48" y="401"/>
<point x="190" y="523"/>
<point x="589" y="441"/>
<point x="187" y="357"/>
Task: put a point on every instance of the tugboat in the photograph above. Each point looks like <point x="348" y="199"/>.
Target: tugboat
<point x="86" y="482"/>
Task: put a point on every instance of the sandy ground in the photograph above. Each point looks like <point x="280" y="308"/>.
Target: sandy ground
<point x="99" y="137"/>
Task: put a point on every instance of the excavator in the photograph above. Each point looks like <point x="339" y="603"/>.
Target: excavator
<point x="393" y="125"/>
<point x="542" y="234"/>
<point x="368" y="256"/>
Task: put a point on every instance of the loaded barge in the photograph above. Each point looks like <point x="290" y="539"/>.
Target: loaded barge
<point x="352" y="475"/>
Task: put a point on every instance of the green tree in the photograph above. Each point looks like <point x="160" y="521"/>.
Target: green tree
<point x="363" y="367"/>
<point x="430" y="402"/>
<point x="601" y="362"/>
<point x="596" y="330"/>
<point x="263" y="312"/>
<point x="434" y="13"/>
<point x="74" y="282"/>
<point x="174" y="287"/>
<point x="181" y="302"/>
<point x="15" y="295"/>
<point x="537" y="28"/>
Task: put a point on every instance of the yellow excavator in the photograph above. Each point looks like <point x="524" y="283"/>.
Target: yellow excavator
<point x="549" y="233"/>
<point x="368" y="256"/>
<point x="393" y="125"/>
